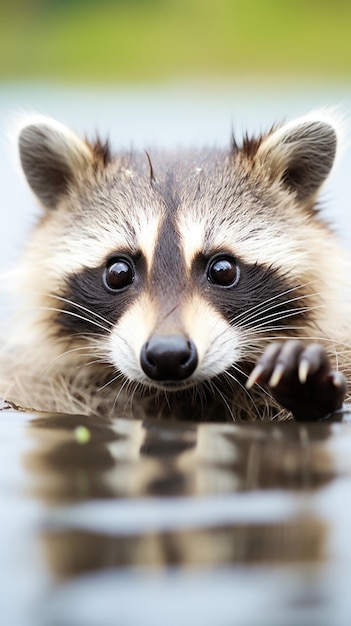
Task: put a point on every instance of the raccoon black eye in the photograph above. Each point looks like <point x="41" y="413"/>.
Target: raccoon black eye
<point x="223" y="271"/>
<point x="118" y="274"/>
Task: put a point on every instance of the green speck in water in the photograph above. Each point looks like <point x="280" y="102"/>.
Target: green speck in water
<point x="82" y="434"/>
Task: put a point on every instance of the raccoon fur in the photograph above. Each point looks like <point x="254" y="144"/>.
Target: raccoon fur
<point x="199" y="284"/>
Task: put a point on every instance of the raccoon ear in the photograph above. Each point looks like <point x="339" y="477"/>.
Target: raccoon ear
<point x="52" y="156"/>
<point x="300" y="154"/>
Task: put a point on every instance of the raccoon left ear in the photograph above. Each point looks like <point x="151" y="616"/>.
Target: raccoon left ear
<point x="300" y="154"/>
<point x="52" y="157"/>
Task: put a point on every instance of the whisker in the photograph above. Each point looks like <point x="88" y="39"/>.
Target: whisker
<point x="212" y="385"/>
<point x="284" y="314"/>
<point x="247" y="392"/>
<point x="81" y="317"/>
<point x="125" y="383"/>
<point x="261" y="315"/>
<point x="65" y="353"/>
<point x="110" y="382"/>
<point x="275" y="297"/>
<point x="76" y="304"/>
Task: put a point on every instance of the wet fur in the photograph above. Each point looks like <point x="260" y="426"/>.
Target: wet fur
<point x="75" y="349"/>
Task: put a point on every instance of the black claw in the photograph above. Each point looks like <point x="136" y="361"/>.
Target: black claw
<point x="300" y="379"/>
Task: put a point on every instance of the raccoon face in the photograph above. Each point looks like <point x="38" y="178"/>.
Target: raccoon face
<point x="181" y="270"/>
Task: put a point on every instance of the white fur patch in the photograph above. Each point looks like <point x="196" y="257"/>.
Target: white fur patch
<point x="270" y="246"/>
<point x="80" y="250"/>
<point x="192" y="231"/>
<point x="217" y="343"/>
<point x="253" y="243"/>
<point x="147" y="235"/>
<point x="129" y="335"/>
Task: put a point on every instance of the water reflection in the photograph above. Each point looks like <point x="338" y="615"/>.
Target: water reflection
<point x="126" y="458"/>
<point x="246" y="522"/>
<point x="168" y="494"/>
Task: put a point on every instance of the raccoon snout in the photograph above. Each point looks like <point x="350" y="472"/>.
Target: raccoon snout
<point x="168" y="358"/>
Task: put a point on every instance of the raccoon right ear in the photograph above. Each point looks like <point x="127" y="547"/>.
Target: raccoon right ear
<point x="52" y="156"/>
<point x="301" y="153"/>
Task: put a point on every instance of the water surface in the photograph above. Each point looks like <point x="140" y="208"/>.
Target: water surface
<point x="160" y="522"/>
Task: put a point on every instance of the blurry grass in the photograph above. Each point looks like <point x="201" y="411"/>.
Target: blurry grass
<point x="109" y="41"/>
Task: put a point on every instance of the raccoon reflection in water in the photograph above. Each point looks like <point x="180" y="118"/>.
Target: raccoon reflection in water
<point x="200" y="284"/>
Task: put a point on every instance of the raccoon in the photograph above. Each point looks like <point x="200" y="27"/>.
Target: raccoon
<point x="194" y="284"/>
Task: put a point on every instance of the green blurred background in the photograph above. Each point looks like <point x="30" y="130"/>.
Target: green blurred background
<point x="128" y="41"/>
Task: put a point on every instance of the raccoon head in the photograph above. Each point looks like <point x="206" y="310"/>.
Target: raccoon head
<point x="177" y="271"/>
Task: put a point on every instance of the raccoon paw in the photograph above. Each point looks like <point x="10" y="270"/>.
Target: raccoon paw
<point x="300" y="379"/>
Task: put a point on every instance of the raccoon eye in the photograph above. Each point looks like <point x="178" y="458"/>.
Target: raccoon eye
<point x="118" y="274"/>
<point x="223" y="271"/>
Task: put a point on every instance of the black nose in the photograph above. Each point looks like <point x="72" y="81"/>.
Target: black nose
<point x="168" y="358"/>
